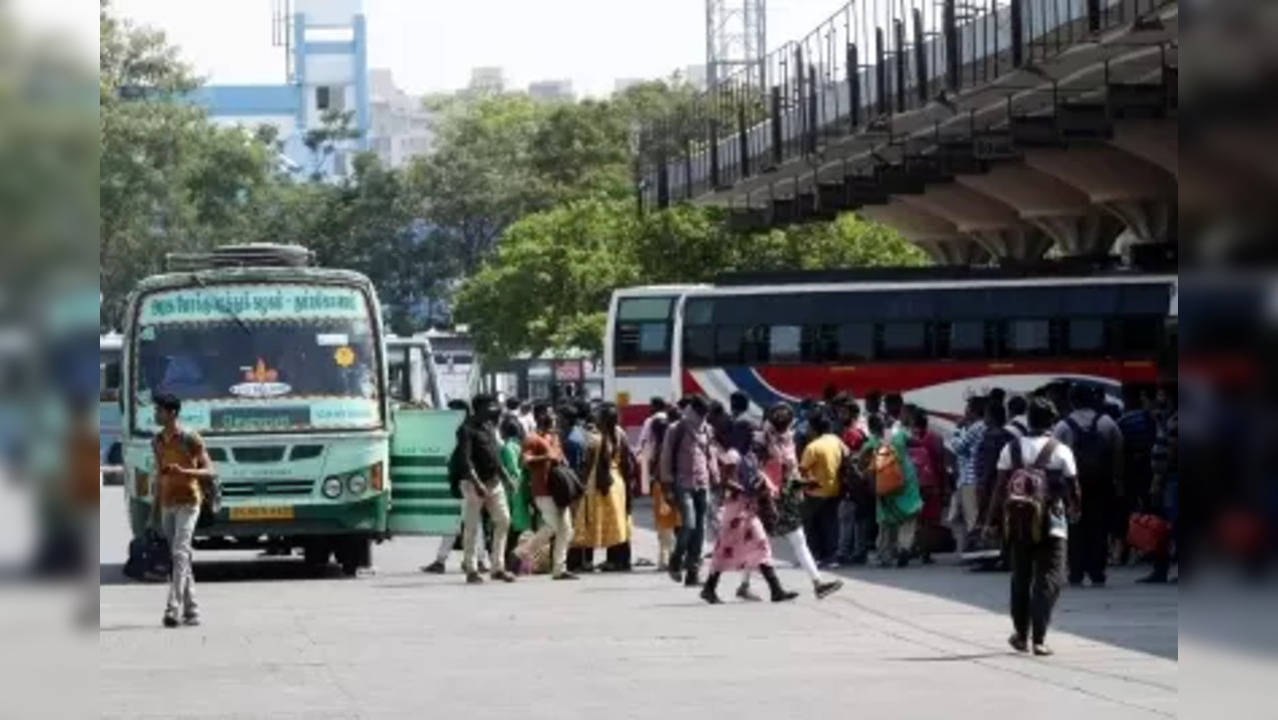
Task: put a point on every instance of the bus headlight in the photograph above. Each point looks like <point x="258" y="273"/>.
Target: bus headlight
<point x="357" y="484"/>
<point x="332" y="487"/>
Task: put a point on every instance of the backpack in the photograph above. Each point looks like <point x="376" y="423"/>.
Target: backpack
<point x="889" y="476"/>
<point x="456" y="467"/>
<point x="1091" y="452"/>
<point x="565" y="486"/>
<point x="853" y="484"/>
<point x="1027" y="494"/>
<point x="149" y="558"/>
<point x="670" y="461"/>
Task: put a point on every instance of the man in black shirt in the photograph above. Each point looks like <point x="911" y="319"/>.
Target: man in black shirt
<point x="483" y="487"/>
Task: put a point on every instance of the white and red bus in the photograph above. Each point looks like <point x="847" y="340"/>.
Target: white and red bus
<point x="932" y="339"/>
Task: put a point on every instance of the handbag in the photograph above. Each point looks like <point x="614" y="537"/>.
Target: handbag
<point x="1147" y="533"/>
<point x="565" y="486"/>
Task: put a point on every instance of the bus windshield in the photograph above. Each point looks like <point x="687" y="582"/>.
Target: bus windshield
<point x="257" y="370"/>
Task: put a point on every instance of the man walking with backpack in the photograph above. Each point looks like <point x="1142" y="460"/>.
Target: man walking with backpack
<point x="1097" y="444"/>
<point x="688" y="464"/>
<point x="182" y="470"/>
<point x="1038" y="492"/>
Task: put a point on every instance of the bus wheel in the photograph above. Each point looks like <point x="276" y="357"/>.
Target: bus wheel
<point x="354" y="553"/>
<point x="315" y="554"/>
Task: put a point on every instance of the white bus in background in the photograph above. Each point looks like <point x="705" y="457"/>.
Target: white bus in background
<point x="931" y="337"/>
<point x="412" y="374"/>
<point x="637" y="346"/>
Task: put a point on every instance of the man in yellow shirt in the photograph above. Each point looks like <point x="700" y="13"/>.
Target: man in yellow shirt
<point x="819" y="467"/>
<point x="182" y="466"/>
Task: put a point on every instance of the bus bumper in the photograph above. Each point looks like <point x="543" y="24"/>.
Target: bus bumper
<point x="364" y="517"/>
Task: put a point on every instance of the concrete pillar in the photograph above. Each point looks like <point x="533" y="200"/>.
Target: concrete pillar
<point x="1021" y="243"/>
<point x="1149" y="221"/>
<point x="1091" y="233"/>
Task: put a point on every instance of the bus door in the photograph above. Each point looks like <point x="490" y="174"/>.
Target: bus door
<point x="420" y="446"/>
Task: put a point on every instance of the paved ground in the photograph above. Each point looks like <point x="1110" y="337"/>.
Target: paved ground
<point x="918" y="643"/>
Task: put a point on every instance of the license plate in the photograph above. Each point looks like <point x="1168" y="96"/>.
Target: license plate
<point x="256" y="513"/>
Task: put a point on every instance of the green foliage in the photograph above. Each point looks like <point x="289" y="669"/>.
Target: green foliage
<point x="548" y="284"/>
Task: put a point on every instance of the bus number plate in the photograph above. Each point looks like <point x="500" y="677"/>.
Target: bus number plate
<point x="257" y="513"/>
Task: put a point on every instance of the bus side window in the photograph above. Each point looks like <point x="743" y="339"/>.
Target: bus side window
<point x="1140" y="336"/>
<point x="904" y="340"/>
<point x="1086" y="336"/>
<point x="785" y="343"/>
<point x="963" y="339"/>
<point x="698" y="345"/>
<point x="1025" y="338"/>
<point x="854" y="342"/>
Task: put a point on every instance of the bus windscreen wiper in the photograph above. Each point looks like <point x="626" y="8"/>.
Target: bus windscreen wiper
<point x="226" y="309"/>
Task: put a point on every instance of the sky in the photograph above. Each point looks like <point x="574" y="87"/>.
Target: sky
<point x="431" y="45"/>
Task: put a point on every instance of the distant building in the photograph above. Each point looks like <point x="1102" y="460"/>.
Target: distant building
<point x="399" y="124"/>
<point x="487" y="80"/>
<point x="326" y="41"/>
<point x="551" y="91"/>
<point x="624" y="84"/>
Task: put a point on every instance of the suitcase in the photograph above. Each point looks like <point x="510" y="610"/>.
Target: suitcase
<point x="1148" y="534"/>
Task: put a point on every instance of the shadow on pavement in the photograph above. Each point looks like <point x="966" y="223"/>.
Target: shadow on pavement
<point x="255" y="570"/>
<point x="1123" y="613"/>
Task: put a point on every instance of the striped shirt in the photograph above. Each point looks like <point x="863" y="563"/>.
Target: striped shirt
<point x="964" y="443"/>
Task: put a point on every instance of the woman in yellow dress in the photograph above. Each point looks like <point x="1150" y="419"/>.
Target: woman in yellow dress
<point x="601" y="517"/>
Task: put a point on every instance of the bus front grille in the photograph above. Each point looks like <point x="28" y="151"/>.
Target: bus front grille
<point x="249" y="488"/>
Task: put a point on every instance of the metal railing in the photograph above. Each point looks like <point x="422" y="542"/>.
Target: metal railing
<point x="847" y="78"/>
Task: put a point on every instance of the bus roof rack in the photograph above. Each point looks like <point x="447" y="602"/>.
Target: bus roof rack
<point x="1062" y="268"/>
<point x="241" y="256"/>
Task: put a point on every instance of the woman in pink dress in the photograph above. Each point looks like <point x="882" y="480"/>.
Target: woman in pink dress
<point x="742" y="543"/>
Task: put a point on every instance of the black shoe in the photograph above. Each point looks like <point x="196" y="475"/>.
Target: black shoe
<point x="902" y="561"/>
<point x="170" y="621"/>
<point x="692" y="578"/>
<point x="779" y="593"/>
<point x="675" y="573"/>
<point x="191" y="620"/>
<point x="826" y="589"/>
<point x="1018" y="643"/>
<point x="708" y="590"/>
<point x="435" y="568"/>
<point x="857" y="560"/>
<point x="474" y="578"/>
<point x="503" y="576"/>
<point x="565" y="576"/>
<point x="927" y="560"/>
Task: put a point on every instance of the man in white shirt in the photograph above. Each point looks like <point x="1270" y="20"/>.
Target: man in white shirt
<point x="1097" y="444"/>
<point x="1038" y="564"/>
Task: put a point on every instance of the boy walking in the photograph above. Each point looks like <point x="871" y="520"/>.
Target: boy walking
<point x="182" y="469"/>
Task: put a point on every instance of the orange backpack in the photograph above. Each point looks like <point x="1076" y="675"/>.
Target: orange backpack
<point x="889" y="477"/>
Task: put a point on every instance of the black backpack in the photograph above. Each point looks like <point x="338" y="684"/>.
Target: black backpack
<point x="456" y="466"/>
<point x="1092" y="453"/>
<point x="149" y="558"/>
<point x="565" y="486"/>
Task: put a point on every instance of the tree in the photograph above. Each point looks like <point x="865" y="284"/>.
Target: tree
<point x="168" y="179"/>
<point x="547" y="286"/>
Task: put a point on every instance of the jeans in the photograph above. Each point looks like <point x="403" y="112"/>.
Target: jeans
<point x="1089" y="538"/>
<point x="821" y="525"/>
<point x="692" y="504"/>
<point x="850" y="539"/>
<point x="1036" y="584"/>
<point x="556" y="523"/>
<point x="179" y="529"/>
<point x="472" y="506"/>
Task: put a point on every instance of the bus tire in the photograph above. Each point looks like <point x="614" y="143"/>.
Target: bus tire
<point x="315" y="554"/>
<point x="354" y="553"/>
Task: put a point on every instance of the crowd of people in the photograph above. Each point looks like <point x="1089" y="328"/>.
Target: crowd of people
<point x="1045" y="483"/>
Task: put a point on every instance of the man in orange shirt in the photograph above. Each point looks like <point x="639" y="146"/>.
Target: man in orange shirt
<point x="541" y="452"/>
<point x="182" y="467"/>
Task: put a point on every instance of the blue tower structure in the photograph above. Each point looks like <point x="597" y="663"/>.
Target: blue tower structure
<point x="326" y="44"/>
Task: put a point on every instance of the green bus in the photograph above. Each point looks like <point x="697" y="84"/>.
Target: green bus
<point x="285" y="370"/>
